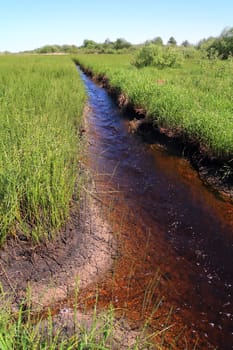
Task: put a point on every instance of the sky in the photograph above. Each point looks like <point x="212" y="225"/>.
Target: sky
<point x="29" y="24"/>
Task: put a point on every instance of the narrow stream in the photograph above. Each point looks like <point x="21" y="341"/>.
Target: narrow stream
<point x="168" y="223"/>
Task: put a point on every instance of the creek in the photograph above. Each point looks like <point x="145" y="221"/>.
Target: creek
<point x="168" y="224"/>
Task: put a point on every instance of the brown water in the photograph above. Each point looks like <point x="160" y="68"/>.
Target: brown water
<point x="168" y="224"/>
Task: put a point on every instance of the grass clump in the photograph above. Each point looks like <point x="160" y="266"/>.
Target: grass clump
<point x="26" y="330"/>
<point x="41" y="104"/>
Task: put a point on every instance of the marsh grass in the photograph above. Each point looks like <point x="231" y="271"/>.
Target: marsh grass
<point x="23" y="330"/>
<point x="195" y="99"/>
<point x="41" y="104"/>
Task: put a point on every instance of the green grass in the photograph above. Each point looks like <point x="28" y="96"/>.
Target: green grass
<point x="41" y="104"/>
<point x="21" y="333"/>
<point x="25" y="330"/>
<point x="195" y="99"/>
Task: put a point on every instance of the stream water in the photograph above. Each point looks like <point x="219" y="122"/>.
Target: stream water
<point x="168" y="224"/>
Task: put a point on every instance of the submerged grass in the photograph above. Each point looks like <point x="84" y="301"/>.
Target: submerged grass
<point x="41" y="104"/>
<point x="195" y="99"/>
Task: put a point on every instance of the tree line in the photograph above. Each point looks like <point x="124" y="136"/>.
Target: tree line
<point x="221" y="46"/>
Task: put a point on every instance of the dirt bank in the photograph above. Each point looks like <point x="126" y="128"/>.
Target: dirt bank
<point x="216" y="173"/>
<point x="83" y="251"/>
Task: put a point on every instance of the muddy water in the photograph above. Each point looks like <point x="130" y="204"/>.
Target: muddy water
<point x="169" y="225"/>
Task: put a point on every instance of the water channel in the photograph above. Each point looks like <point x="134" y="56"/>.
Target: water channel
<point x="169" y="224"/>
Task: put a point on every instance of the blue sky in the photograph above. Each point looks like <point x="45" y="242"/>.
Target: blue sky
<point x="28" y="24"/>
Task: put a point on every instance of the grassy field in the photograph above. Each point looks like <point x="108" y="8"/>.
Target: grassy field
<point x="195" y="99"/>
<point x="41" y="104"/>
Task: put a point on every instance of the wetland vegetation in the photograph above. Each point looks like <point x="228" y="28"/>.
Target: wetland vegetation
<point x="184" y="91"/>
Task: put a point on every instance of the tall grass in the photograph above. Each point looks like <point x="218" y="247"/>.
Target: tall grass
<point x="196" y="98"/>
<point x="41" y="103"/>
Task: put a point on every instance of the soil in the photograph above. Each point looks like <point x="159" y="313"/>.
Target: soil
<point x="83" y="250"/>
<point x="215" y="172"/>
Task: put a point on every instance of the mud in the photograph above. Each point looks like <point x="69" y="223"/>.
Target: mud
<point x="84" y="250"/>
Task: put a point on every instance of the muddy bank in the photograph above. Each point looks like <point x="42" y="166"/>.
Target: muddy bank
<point x="215" y="172"/>
<point x="82" y="252"/>
<point x="76" y="262"/>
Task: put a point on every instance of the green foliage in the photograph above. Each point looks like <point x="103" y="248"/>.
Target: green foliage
<point x="195" y="99"/>
<point x="224" y="44"/>
<point x="186" y="43"/>
<point x="190" y="52"/>
<point x="172" y="41"/>
<point x="47" y="49"/>
<point x="24" y="330"/>
<point x="118" y="46"/>
<point x="204" y="44"/>
<point x="89" y="44"/>
<point x="121" y="43"/>
<point x="158" y="56"/>
<point x="221" y="46"/>
<point x="41" y="103"/>
<point x="157" y="41"/>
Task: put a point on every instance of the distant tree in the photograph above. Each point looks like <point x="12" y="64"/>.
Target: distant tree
<point x="107" y="46"/>
<point x="186" y="43"/>
<point x="68" y="49"/>
<point x="224" y="43"/>
<point x="204" y="44"/>
<point x="157" y="40"/>
<point x="47" y="49"/>
<point x="227" y="33"/>
<point x="221" y="46"/>
<point x="107" y="42"/>
<point x="73" y="49"/>
<point x="172" y="41"/>
<point x="56" y="48"/>
<point x="65" y="48"/>
<point x="89" y="44"/>
<point x="121" y="43"/>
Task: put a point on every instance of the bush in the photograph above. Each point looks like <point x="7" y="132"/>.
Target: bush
<point x="158" y="56"/>
<point x="190" y="52"/>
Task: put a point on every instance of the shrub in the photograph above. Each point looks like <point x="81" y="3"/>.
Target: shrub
<point x="158" y="56"/>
